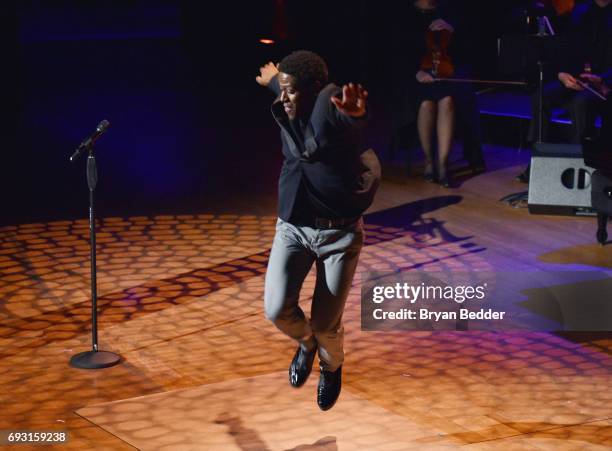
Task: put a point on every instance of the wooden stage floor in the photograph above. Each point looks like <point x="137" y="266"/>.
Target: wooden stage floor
<point x="181" y="301"/>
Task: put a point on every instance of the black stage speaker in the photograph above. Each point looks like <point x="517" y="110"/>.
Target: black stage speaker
<point x="559" y="181"/>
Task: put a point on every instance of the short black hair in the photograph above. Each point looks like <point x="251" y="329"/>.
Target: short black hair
<point x="306" y="67"/>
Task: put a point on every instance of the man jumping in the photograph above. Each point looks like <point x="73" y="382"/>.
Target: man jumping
<point x="321" y="199"/>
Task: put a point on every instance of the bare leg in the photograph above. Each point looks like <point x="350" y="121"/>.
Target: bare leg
<point x="425" y="125"/>
<point x="445" y="128"/>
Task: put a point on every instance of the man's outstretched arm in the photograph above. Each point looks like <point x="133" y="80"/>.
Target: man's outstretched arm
<point x="267" y="76"/>
<point x="351" y="108"/>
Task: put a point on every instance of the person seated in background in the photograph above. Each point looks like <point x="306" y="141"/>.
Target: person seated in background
<point x="436" y="102"/>
<point x="602" y="85"/>
<point x="591" y="53"/>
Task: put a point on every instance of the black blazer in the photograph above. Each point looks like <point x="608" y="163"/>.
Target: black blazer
<point x="339" y="178"/>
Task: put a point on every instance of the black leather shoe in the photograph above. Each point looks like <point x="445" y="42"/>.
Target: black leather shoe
<point x="330" y="383"/>
<point x="301" y="365"/>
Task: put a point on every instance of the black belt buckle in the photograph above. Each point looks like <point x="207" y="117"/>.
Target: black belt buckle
<point x="324" y="223"/>
<point x="338" y="223"/>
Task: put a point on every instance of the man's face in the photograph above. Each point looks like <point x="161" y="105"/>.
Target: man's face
<point x="297" y="102"/>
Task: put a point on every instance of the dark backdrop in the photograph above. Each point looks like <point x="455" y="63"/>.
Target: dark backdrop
<point x="176" y="81"/>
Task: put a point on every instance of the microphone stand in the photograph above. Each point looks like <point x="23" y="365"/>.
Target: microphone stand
<point x="93" y="359"/>
<point x="544" y="26"/>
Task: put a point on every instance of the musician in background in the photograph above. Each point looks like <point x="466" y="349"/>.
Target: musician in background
<point x="590" y="32"/>
<point x="602" y="85"/>
<point x="437" y="102"/>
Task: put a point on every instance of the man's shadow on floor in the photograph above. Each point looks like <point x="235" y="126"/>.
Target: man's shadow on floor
<point x="408" y="219"/>
<point x="248" y="439"/>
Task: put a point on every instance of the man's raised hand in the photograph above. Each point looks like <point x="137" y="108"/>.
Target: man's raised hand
<point x="353" y="101"/>
<point x="266" y="73"/>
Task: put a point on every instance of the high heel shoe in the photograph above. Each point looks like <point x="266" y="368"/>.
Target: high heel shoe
<point x="428" y="175"/>
<point x="445" y="180"/>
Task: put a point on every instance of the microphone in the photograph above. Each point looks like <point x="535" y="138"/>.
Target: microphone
<point x="91" y="139"/>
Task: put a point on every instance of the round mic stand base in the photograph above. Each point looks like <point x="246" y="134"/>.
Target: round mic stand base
<point x="92" y="360"/>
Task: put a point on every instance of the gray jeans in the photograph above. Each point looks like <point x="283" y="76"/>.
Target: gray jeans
<point x="295" y="249"/>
